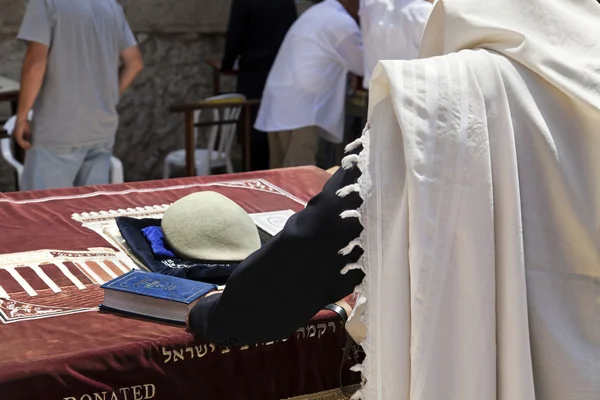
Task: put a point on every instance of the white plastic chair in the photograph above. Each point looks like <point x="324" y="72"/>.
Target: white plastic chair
<point x="220" y="139"/>
<point x="116" y="166"/>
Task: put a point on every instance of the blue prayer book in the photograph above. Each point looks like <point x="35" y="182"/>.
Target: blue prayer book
<point x="153" y="295"/>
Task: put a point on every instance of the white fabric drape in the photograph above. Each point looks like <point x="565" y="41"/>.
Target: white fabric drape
<point x="482" y="208"/>
<point x="392" y="30"/>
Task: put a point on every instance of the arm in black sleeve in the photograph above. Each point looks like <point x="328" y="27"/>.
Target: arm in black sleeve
<point x="290" y="279"/>
<point x="235" y="34"/>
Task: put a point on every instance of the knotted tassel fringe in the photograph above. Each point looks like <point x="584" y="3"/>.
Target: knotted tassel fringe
<point x="358" y="395"/>
<point x="359" y="161"/>
<point x="357" y="368"/>
<point x="354" y="145"/>
<point x="349" y="161"/>
<point x="350" y="214"/>
<point x="348" y="249"/>
<point x="345" y="191"/>
<point x="350" y="267"/>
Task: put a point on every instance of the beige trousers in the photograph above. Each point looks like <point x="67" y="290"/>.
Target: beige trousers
<point x="294" y="148"/>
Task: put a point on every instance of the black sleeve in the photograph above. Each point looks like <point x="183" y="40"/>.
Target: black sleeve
<point x="290" y="279"/>
<point x="235" y="34"/>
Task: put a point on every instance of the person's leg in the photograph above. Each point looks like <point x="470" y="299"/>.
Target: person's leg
<point x="303" y="147"/>
<point x="259" y="149"/>
<point x="251" y="83"/>
<point x="95" y="169"/>
<point x="51" y="167"/>
<point x="276" y="149"/>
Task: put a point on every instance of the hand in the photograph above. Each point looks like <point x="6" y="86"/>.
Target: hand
<point x="187" y="320"/>
<point x="22" y="133"/>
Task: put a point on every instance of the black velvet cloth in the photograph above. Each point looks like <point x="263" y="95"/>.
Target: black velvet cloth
<point x="204" y="271"/>
<point x="290" y="279"/>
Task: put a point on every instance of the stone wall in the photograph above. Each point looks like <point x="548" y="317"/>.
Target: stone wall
<point x="188" y="16"/>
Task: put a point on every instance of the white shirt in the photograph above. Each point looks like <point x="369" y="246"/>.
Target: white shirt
<point x="392" y="30"/>
<point x="307" y="84"/>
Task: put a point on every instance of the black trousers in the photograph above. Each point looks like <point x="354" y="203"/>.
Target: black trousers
<point x="251" y="83"/>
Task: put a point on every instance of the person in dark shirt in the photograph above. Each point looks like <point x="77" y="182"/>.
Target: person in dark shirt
<point x="292" y="277"/>
<point x="256" y="31"/>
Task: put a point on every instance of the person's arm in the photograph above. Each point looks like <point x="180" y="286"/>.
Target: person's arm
<point x="131" y="58"/>
<point x="235" y="34"/>
<point x="32" y="78"/>
<point x="291" y="278"/>
<point x="132" y="65"/>
<point x="351" y="52"/>
<point x="36" y="31"/>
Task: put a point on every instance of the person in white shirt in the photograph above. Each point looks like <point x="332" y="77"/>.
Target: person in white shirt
<point x="305" y="93"/>
<point x="392" y="30"/>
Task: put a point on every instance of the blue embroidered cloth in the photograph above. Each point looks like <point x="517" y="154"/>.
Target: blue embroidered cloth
<point x="156" y="238"/>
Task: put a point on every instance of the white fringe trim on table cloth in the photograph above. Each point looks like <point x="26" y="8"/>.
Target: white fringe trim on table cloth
<point x="362" y="187"/>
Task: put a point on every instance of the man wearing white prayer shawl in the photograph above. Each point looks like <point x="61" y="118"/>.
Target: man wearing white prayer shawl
<point x="481" y="215"/>
<point x="482" y="208"/>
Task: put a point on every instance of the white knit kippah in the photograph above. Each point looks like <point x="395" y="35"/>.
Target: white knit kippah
<point x="209" y="226"/>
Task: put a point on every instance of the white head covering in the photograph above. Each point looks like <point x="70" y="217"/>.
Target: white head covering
<point x="482" y="208"/>
<point x="207" y="226"/>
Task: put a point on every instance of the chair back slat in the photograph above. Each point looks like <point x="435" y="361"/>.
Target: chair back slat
<point x="222" y="136"/>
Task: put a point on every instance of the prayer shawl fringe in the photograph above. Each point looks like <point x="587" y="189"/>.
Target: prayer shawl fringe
<point x="481" y="208"/>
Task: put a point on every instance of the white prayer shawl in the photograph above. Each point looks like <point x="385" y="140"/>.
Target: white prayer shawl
<point x="392" y="30"/>
<point x="482" y="208"/>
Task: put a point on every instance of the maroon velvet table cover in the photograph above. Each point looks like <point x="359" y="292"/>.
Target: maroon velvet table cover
<point x="55" y="345"/>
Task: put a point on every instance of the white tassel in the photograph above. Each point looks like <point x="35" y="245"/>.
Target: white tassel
<point x="348" y="249"/>
<point x="350" y="214"/>
<point x="354" y="145"/>
<point x="362" y="299"/>
<point x="358" y="368"/>
<point x="351" y="267"/>
<point x="357" y="396"/>
<point x="349" y="160"/>
<point x="345" y="191"/>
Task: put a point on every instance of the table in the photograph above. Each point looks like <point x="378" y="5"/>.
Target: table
<point x="215" y="64"/>
<point x="188" y="114"/>
<point x="56" y="345"/>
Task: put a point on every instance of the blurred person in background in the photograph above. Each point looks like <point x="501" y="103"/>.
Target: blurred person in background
<point x="256" y="30"/>
<point x="305" y="93"/>
<point x="72" y="80"/>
